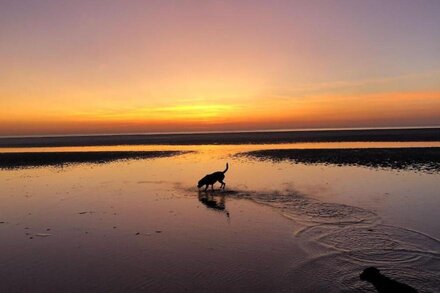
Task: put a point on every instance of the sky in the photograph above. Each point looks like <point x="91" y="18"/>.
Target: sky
<point x="86" y="67"/>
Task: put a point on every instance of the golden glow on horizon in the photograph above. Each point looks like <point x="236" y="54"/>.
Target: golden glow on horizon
<point x="313" y="112"/>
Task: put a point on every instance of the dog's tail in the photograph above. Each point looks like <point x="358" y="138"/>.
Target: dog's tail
<point x="227" y="167"/>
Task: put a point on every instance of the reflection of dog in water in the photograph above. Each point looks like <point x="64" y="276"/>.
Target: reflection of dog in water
<point x="384" y="284"/>
<point x="211" y="179"/>
<point x="211" y="202"/>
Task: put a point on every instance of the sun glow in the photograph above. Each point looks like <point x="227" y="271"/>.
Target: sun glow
<point x="196" y="112"/>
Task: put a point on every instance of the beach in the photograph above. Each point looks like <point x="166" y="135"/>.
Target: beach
<point x="292" y="218"/>
<point x="219" y="146"/>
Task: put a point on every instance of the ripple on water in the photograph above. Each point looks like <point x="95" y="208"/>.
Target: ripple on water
<point x="379" y="237"/>
<point x="343" y="240"/>
<point x="338" y="272"/>
<point x="311" y="211"/>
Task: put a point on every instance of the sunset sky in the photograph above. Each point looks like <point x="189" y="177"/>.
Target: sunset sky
<point x="72" y="67"/>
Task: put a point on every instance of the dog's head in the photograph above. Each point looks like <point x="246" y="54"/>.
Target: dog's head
<point x="200" y="183"/>
<point x="370" y="274"/>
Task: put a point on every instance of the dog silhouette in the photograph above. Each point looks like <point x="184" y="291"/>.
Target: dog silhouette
<point x="212" y="178"/>
<point x="384" y="284"/>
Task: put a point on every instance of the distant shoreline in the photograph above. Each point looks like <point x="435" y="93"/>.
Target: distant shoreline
<point x="259" y="137"/>
<point x="221" y="131"/>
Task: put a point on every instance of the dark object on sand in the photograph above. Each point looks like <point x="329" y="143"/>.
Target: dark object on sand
<point x="35" y="159"/>
<point x="417" y="158"/>
<point x="384" y="284"/>
<point x="211" y="179"/>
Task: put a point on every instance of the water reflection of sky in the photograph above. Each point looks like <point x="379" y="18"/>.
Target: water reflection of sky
<point x="406" y="197"/>
<point x="101" y="207"/>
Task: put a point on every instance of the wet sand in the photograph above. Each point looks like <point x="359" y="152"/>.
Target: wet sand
<point x="420" y="159"/>
<point x="137" y="225"/>
<point x="115" y="227"/>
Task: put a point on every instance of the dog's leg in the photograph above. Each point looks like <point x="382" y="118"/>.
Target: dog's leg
<point x="212" y="187"/>
<point x="206" y="187"/>
<point x="222" y="186"/>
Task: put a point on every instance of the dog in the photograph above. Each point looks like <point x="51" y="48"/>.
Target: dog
<point x="384" y="284"/>
<point x="211" y="179"/>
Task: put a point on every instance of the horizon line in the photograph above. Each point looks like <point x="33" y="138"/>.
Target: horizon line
<point x="222" y="132"/>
